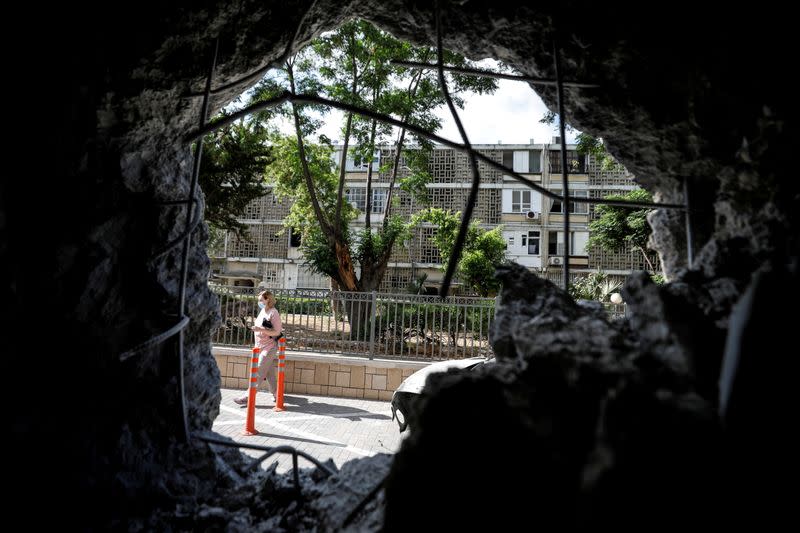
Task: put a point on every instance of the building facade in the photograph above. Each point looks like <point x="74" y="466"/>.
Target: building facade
<point x="532" y="224"/>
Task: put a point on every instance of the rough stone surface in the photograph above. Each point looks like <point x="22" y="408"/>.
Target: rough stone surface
<point x="582" y="423"/>
<point x="261" y="500"/>
<point x="102" y="127"/>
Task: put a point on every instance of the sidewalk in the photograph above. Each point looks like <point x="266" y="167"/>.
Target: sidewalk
<point x="324" y="427"/>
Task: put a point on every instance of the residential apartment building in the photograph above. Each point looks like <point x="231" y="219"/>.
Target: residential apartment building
<point x="532" y="224"/>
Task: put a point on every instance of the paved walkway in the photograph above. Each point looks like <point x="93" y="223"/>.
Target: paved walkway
<point x="324" y="427"/>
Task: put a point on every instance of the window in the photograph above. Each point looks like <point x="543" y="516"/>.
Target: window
<point x="552" y="243"/>
<point x="555" y="243"/>
<point x="294" y="238"/>
<point x="524" y="239"/>
<point x="574" y="208"/>
<point x="579" y="208"/>
<point x="521" y="161"/>
<point x="520" y="201"/>
<point x="508" y="159"/>
<point x="379" y="200"/>
<point x="511" y="240"/>
<point x="359" y="163"/>
<point x="533" y="243"/>
<point x="556" y="206"/>
<point x="535" y="161"/>
<point x="575" y="161"/>
<point x="357" y="196"/>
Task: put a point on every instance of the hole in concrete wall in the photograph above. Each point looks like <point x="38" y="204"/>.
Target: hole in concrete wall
<point x="675" y="107"/>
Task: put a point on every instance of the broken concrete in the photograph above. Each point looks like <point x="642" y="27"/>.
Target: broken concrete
<point x="109" y="108"/>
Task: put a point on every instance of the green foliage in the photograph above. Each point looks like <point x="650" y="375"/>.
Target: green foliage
<point x="619" y="227"/>
<point x="594" y="146"/>
<point x="417" y="161"/>
<point x="595" y="286"/>
<point x="352" y="65"/>
<point x="447" y="224"/>
<point x="286" y="173"/>
<point x="586" y="144"/>
<point x="216" y="241"/>
<point x="417" y="285"/>
<point x="381" y="242"/>
<point x="549" y="118"/>
<point x="477" y="264"/>
<point x="483" y="251"/>
<point x="452" y="320"/>
<point x="232" y="173"/>
<point x="318" y="252"/>
<point x="303" y="306"/>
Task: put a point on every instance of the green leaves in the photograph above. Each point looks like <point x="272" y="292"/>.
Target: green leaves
<point x="286" y="174"/>
<point x="353" y="65"/>
<point x="483" y="252"/>
<point x="622" y="227"/>
<point x="232" y="173"/>
<point x="595" y="147"/>
<point x="595" y="286"/>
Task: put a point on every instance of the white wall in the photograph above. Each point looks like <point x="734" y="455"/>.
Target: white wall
<point x="519" y="253"/>
<point x="581" y="237"/>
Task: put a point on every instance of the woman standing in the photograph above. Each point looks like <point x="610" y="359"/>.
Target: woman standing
<point x="266" y="331"/>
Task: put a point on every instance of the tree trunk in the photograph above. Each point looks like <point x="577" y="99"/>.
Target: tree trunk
<point x="368" y="206"/>
<point x="347" y="274"/>
<point x="343" y="169"/>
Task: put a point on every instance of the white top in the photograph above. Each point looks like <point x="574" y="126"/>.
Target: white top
<point x="262" y="339"/>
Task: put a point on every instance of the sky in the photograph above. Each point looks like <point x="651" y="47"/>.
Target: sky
<point x="509" y="116"/>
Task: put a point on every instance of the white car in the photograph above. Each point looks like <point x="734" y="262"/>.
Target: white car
<point x="405" y="397"/>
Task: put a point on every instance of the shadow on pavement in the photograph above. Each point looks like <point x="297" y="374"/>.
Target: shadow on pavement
<point x="302" y="405"/>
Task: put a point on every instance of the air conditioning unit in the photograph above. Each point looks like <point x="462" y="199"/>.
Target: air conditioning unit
<point x="555" y="260"/>
<point x="532" y="215"/>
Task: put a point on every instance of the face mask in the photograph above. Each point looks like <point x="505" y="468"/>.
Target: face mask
<point x="261" y="305"/>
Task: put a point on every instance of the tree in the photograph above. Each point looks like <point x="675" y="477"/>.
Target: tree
<point x="620" y="227"/>
<point x="353" y="65"/>
<point x="483" y="252"/>
<point x="232" y="173"/>
<point x="287" y="173"/>
<point x="586" y="144"/>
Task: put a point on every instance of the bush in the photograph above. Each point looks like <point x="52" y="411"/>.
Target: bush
<point x="303" y="306"/>
<point x="450" y="320"/>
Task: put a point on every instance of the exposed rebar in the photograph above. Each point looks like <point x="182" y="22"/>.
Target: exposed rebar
<point x="286" y="96"/>
<point x="564" y="170"/>
<point x="491" y="74"/>
<point x="461" y="238"/>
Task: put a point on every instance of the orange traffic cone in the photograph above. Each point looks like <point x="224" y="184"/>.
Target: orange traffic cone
<point x="281" y="367"/>
<point x="250" y="424"/>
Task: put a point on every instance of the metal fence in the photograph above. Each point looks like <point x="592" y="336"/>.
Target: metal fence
<point x="615" y="310"/>
<point x="401" y="326"/>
